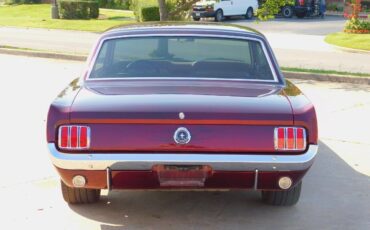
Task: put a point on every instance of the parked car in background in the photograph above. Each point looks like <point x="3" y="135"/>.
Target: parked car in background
<point x="220" y="9"/>
<point x="305" y="8"/>
<point x="182" y="107"/>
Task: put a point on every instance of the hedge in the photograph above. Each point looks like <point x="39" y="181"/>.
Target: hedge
<point x="78" y="9"/>
<point x="11" y="2"/>
<point x="137" y="5"/>
<point x="115" y="4"/>
<point x="150" y="13"/>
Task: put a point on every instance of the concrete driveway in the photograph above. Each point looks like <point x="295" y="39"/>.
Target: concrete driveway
<point x="335" y="193"/>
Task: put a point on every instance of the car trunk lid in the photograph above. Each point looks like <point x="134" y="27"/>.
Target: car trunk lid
<point x="143" y="116"/>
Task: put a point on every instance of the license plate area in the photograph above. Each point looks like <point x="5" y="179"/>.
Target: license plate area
<point x="182" y="175"/>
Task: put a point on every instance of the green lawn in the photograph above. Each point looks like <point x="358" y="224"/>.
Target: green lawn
<point x="354" y="41"/>
<point x="39" y="16"/>
<point x="321" y="71"/>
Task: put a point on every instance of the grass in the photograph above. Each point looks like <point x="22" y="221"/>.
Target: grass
<point x="328" y="72"/>
<point x="38" y="16"/>
<point x="354" y="41"/>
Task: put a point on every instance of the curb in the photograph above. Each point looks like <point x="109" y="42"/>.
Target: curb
<point x="288" y="74"/>
<point x="43" y="54"/>
<point x="334" y="13"/>
<point x="327" y="77"/>
<point x="349" y="50"/>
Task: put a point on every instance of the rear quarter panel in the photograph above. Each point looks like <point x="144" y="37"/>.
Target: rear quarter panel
<point x="304" y="113"/>
<point x="59" y="111"/>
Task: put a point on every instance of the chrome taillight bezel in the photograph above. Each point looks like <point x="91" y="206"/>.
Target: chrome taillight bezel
<point x="78" y="147"/>
<point x="285" y="148"/>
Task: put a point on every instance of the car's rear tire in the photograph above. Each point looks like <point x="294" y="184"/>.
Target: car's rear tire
<point x="196" y="19"/>
<point x="219" y="16"/>
<point x="287" y="11"/>
<point x="249" y="13"/>
<point x="300" y="14"/>
<point x="282" y="198"/>
<point x="79" y="195"/>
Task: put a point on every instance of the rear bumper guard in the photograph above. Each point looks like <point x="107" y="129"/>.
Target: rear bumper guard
<point x="145" y="161"/>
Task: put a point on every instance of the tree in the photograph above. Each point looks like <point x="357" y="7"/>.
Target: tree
<point x="270" y="8"/>
<point x="163" y="13"/>
<point x="177" y="6"/>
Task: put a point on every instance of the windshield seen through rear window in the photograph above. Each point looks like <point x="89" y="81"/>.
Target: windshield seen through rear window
<point x="182" y="57"/>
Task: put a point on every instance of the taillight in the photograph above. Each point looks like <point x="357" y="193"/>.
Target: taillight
<point x="74" y="137"/>
<point x="290" y="138"/>
<point x="301" y="2"/>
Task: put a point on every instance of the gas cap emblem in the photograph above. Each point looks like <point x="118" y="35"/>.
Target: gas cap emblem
<point x="182" y="136"/>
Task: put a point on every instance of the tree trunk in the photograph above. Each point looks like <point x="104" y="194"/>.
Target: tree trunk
<point x="163" y="10"/>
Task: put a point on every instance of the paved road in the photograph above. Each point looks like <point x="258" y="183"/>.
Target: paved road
<point x="335" y="193"/>
<point x="300" y="43"/>
<point x="306" y="26"/>
<point x="64" y="41"/>
<point x="296" y="43"/>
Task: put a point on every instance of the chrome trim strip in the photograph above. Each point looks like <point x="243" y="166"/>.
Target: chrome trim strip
<point x="78" y="136"/>
<point x="93" y="60"/>
<point x="177" y="78"/>
<point x="304" y="138"/>
<point x="295" y="138"/>
<point x="276" y="138"/>
<point x="145" y="161"/>
<point x="109" y="186"/>
<point x="285" y="138"/>
<point x="255" y="180"/>
<point x="88" y="133"/>
<point x="69" y="137"/>
<point x="145" y="29"/>
<point x="60" y="137"/>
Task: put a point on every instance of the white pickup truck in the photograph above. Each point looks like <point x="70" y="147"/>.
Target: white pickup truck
<point x="219" y="9"/>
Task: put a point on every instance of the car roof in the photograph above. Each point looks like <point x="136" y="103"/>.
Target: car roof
<point x="182" y="27"/>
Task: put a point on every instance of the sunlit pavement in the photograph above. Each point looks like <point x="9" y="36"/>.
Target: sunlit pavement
<point x="335" y="193"/>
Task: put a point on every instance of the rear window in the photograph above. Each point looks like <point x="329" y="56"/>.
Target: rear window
<point x="182" y="57"/>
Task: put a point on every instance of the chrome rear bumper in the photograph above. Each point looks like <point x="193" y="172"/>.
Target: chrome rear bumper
<point x="145" y="161"/>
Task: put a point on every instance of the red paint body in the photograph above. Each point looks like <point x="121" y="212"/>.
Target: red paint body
<point x="244" y="121"/>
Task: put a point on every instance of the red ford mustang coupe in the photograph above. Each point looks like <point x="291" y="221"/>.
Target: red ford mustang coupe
<point x="182" y="106"/>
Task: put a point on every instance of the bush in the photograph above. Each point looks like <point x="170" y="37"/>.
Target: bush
<point x="94" y="9"/>
<point x="340" y="8"/>
<point x="355" y="25"/>
<point x="336" y="6"/>
<point x="331" y="6"/>
<point x="11" y="2"/>
<point x="115" y="4"/>
<point x="150" y="13"/>
<point x="137" y="5"/>
<point x="78" y="9"/>
<point x="180" y="16"/>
